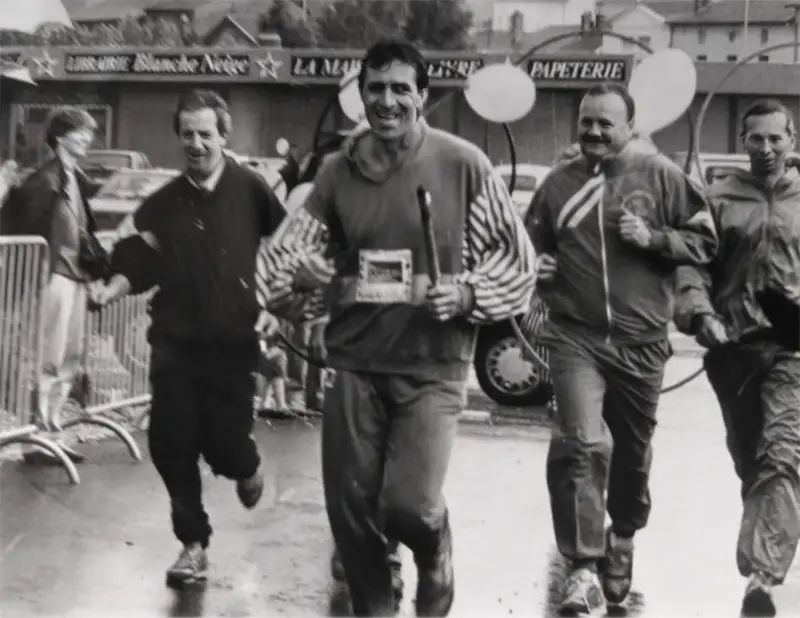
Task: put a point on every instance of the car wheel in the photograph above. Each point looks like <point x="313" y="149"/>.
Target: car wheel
<point x="505" y="375"/>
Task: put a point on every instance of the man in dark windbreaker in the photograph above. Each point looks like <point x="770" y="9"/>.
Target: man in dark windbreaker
<point x="611" y="226"/>
<point x="744" y="308"/>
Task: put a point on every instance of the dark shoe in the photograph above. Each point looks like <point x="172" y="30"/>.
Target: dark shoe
<point x="617" y="568"/>
<point x="250" y="490"/>
<point x="758" y="599"/>
<point x="191" y="567"/>
<point x="436" y="589"/>
<point x="337" y="572"/>
<point x="583" y="595"/>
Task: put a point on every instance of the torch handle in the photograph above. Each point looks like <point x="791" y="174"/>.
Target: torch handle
<point x="424" y="200"/>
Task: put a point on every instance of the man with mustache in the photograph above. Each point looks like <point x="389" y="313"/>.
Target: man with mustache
<point x="610" y="226"/>
<point x="743" y="307"/>
<point x="196" y="239"/>
<point x="401" y="350"/>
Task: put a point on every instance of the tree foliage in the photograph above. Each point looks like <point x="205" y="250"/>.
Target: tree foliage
<point x="293" y="30"/>
<point x="354" y="24"/>
<point x="439" y="24"/>
<point x="360" y="23"/>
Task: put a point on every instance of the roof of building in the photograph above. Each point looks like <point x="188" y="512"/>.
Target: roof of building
<point x="733" y="12"/>
<point x="763" y="79"/>
<point x="501" y="40"/>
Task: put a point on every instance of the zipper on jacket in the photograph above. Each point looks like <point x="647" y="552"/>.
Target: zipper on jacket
<point x="604" y="257"/>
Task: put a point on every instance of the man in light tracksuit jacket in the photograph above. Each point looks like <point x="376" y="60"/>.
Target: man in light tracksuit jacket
<point x="610" y="226"/>
<point x="745" y="307"/>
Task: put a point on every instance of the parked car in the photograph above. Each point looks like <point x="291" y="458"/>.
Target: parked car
<point x="102" y="164"/>
<point x="713" y="167"/>
<point x="124" y="191"/>
<point x="504" y="373"/>
<point x="529" y="178"/>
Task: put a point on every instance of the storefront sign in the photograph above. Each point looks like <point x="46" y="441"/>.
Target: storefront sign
<point x="569" y="70"/>
<point x="322" y="67"/>
<point x="160" y="64"/>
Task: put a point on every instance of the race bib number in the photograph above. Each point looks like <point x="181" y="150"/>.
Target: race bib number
<point x="384" y="277"/>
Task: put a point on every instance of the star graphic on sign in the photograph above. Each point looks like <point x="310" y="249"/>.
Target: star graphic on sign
<point x="269" y="66"/>
<point x="45" y="64"/>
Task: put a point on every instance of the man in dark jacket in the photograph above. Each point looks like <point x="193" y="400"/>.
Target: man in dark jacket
<point x="52" y="202"/>
<point x="745" y="308"/>
<point x="610" y="226"/>
<point x="196" y="239"/>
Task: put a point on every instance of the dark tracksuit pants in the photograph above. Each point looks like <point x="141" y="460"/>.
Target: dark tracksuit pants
<point x="600" y="450"/>
<point x="758" y="388"/>
<point x="386" y="445"/>
<point x="202" y="405"/>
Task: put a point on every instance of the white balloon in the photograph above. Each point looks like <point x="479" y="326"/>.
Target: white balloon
<point x="500" y="92"/>
<point x="663" y="86"/>
<point x="350" y="97"/>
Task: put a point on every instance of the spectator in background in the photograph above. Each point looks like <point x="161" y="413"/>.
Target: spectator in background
<point x="8" y="177"/>
<point x="52" y="202"/>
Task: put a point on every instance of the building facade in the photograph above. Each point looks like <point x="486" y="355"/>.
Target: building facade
<point x="272" y="93"/>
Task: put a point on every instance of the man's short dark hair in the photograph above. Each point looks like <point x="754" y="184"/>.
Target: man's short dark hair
<point x="382" y="54"/>
<point x="62" y="120"/>
<point x="199" y="99"/>
<point x="765" y="107"/>
<point x="618" y="89"/>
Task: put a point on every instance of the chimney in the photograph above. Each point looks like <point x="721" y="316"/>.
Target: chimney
<point x="600" y="23"/>
<point x="587" y="23"/>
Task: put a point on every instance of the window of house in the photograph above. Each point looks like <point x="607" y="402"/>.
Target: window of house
<point x="702" y="58"/>
<point x="732" y="34"/>
<point x="763" y="58"/>
<point x="731" y="58"/>
<point x="701" y="35"/>
<point x="764" y="36"/>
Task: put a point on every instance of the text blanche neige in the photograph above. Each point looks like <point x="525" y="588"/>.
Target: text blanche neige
<point x="156" y="64"/>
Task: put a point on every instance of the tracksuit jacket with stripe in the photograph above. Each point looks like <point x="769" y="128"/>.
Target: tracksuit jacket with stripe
<point x="356" y="208"/>
<point x="603" y="285"/>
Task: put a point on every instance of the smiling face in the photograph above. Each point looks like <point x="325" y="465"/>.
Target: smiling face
<point x="767" y="139"/>
<point x="76" y="143"/>
<point x="201" y="140"/>
<point x="603" y="125"/>
<point x="392" y="100"/>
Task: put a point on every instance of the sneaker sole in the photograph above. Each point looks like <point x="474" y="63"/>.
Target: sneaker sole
<point x="568" y="609"/>
<point x="613" y="599"/>
<point x="759" y="603"/>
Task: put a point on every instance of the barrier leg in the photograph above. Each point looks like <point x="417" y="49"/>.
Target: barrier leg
<point x="115" y="427"/>
<point x="27" y="435"/>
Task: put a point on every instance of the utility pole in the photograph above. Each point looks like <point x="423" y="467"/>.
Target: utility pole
<point x="795" y="6"/>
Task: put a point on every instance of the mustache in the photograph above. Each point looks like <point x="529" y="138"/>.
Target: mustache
<point x="591" y="139"/>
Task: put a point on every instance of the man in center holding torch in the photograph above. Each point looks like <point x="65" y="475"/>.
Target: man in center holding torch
<point x="401" y="347"/>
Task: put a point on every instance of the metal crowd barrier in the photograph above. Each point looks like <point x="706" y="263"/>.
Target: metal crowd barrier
<point x="24" y="272"/>
<point x="105" y="384"/>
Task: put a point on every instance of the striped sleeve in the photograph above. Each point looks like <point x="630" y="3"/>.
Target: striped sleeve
<point x="277" y="262"/>
<point x="498" y="257"/>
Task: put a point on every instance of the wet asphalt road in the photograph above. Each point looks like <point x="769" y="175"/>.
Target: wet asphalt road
<point x="101" y="548"/>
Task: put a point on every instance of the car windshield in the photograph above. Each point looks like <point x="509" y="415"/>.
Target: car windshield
<point x="107" y="159"/>
<point x="523" y="183"/>
<point x="133" y="186"/>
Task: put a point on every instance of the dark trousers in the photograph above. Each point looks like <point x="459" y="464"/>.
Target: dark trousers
<point x="202" y="406"/>
<point x="386" y="444"/>
<point x="600" y="450"/>
<point x="758" y="389"/>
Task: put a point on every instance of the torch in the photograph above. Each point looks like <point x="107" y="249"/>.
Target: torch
<point x="424" y="200"/>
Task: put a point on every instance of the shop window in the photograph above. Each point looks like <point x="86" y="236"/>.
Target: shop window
<point x="28" y="124"/>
